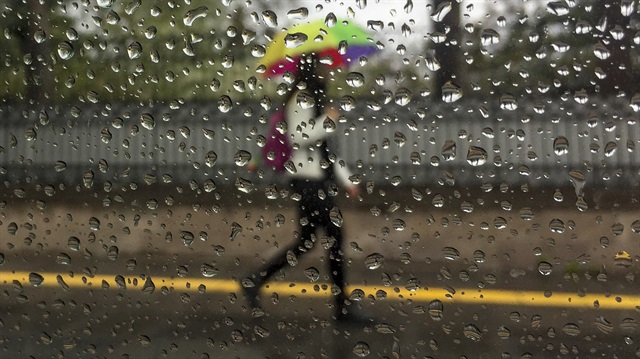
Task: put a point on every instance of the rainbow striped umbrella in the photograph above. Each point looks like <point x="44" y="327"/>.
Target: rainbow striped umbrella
<point x="336" y="46"/>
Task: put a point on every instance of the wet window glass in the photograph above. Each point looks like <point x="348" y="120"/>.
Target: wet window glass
<point x="319" y="179"/>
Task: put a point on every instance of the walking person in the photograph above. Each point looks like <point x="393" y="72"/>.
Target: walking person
<point x="315" y="182"/>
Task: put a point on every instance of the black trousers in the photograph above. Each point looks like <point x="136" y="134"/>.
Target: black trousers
<point x="313" y="211"/>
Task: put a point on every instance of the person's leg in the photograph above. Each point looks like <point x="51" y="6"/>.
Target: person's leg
<point x="336" y="263"/>
<point x="255" y="281"/>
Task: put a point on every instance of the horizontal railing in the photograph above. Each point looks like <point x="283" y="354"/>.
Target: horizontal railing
<point x="393" y="146"/>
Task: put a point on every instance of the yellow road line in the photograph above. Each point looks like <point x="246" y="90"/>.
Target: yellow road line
<point x="68" y="281"/>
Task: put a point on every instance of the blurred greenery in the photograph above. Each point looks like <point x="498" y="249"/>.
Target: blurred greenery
<point x="134" y="51"/>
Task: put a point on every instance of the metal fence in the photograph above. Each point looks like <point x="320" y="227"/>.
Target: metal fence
<point x="467" y="143"/>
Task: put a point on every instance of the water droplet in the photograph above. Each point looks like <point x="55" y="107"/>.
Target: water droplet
<point x="610" y="149"/>
<point x="558" y="8"/>
<point x="374" y="261"/>
<point x="300" y="13"/>
<point x="294" y="40"/>
<point x="304" y="100"/>
<point x="489" y="37"/>
<point x="504" y="332"/>
<point x="627" y="7"/>
<point x="187" y="47"/>
<point x="227" y="61"/>
<point x="361" y="349"/>
<point x="247" y="36"/>
<point x="449" y="150"/>
<point x="193" y="15"/>
<point x="65" y="50"/>
<point x="35" y="279"/>
<point x="436" y="310"/>
<point x="105" y="3"/>
<point x="617" y="229"/>
<point x="187" y="237"/>
<point x="336" y="217"/>
<point x="270" y="18"/>
<point x="155" y="11"/>
<point x="635" y="102"/>
<point x="581" y="97"/>
<point x="601" y="52"/>
<point x="432" y="63"/>
<point x="312" y="273"/>
<point x="147" y="121"/>
<point x="73" y="243"/>
<point x="40" y="36"/>
<point x="385" y="328"/>
<point x="242" y="157"/>
<point x="134" y="50"/>
<point x="112" y="18"/>
<point x="330" y="20"/>
<point x="347" y="103"/>
<point x="208" y="270"/>
<point x="451" y="92"/>
<point x="113" y="253"/>
<point x="545" y="268"/>
<point x="225" y="104"/>
<point x="508" y="102"/>
<point x="476" y="156"/>
<point x="571" y="329"/>
<point x="472" y="332"/>
<point x="60" y="166"/>
<point x="132" y="7"/>
<point x="211" y="158"/>
<point x="402" y="96"/>
<point x="561" y="145"/>
<point x="292" y="259"/>
<point x="148" y="287"/>
<point x="441" y="11"/>
<point x="450" y="253"/>
<point x="415" y="158"/>
<point x="30" y="134"/>
<point x="375" y="25"/>
<point x="412" y="284"/>
<point x="236" y="229"/>
<point x="617" y="33"/>
<point x="328" y="125"/>
<point x="105" y="135"/>
<point x="604" y="325"/>
<point x="94" y="224"/>
<point x="578" y="180"/>
<point x="355" y="79"/>
<point x="244" y="185"/>
<point x="556" y="226"/>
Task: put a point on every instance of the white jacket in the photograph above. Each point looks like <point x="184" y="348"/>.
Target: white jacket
<point x="306" y="132"/>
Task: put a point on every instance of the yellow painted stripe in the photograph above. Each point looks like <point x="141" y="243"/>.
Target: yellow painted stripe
<point x="461" y="296"/>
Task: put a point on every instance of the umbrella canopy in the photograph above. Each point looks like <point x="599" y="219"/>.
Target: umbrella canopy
<point x="335" y="46"/>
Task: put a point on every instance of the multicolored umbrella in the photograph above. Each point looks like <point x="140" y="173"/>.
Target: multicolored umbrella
<point x="336" y="46"/>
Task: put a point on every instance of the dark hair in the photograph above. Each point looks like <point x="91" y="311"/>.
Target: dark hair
<point x="306" y="71"/>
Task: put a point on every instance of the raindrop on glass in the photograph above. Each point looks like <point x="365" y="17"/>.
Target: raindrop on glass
<point x="545" y="268"/>
<point x="65" y="50"/>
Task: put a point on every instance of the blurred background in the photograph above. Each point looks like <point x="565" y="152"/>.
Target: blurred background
<point x="494" y="142"/>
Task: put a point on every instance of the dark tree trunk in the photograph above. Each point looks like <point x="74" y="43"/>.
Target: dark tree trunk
<point x="617" y="66"/>
<point x="448" y="52"/>
<point x="38" y="76"/>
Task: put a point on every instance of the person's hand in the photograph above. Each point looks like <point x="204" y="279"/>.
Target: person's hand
<point x="332" y="112"/>
<point x="252" y="166"/>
